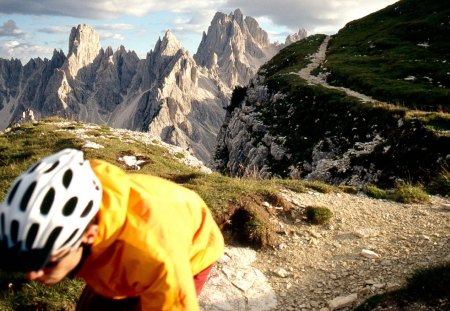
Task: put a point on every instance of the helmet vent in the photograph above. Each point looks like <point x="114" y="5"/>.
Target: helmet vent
<point x="70" y="238"/>
<point x="2" y="219"/>
<point x="34" y="168"/>
<point x="67" y="178"/>
<point x="14" y="231"/>
<point x="48" y="201"/>
<point x="87" y="209"/>
<point x="69" y="207"/>
<point x="26" y="197"/>
<point x="31" y="236"/>
<point x="52" y="237"/>
<point x="52" y="167"/>
<point x="13" y="191"/>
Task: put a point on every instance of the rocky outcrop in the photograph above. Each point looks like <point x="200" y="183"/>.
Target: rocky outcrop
<point x="301" y="34"/>
<point x="235" y="47"/>
<point x="178" y="101"/>
<point x="299" y="130"/>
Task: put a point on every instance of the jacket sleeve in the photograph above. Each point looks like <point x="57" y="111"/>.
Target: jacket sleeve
<point x="180" y="296"/>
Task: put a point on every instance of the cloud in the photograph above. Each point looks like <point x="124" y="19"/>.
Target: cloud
<point x="10" y="29"/>
<point x="55" y="30"/>
<point x="114" y="27"/>
<point x="315" y="15"/>
<point x="101" y="8"/>
<point x="23" y="51"/>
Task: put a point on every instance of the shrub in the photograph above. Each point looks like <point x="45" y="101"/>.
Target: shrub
<point x="320" y="186"/>
<point x="375" y="192"/>
<point x="441" y="184"/>
<point x="406" y="193"/>
<point x="318" y="215"/>
<point x="349" y="189"/>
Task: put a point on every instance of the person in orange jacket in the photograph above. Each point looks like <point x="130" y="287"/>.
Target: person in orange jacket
<point x="140" y="242"/>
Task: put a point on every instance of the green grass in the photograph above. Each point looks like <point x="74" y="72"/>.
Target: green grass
<point x="377" y="54"/>
<point x="230" y="199"/>
<point x="415" y="143"/>
<point x="375" y="192"/>
<point x="318" y="215"/>
<point x="407" y="193"/>
<point x="236" y="203"/>
<point x="19" y="294"/>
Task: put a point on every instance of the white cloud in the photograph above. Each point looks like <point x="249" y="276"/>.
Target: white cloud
<point x="101" y="8"/>
<point x="23" y="51"/>
<point x="118" y="37"/>
<point x="114" y="27"/>
<point x="10" y="29"/>
<point x="311" y="15"/>
<point x="54" y="29"/>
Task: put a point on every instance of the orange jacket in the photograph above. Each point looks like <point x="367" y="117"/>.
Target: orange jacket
<point x="154" y="235"/>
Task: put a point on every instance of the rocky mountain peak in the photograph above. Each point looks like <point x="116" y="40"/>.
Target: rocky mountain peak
<point x="169" y="45"/>
<point x="84" y="47"/>
<point x="237" y="45"/>
<point x="301" y="34"/>
<point x="259" y="35"/>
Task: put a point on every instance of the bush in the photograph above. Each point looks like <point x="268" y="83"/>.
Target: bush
<point x="318" y="215"/>
<point x="375" y="192"/>
<point x="406" y="193"/>
<point x="441" y="184"/>
<point x="349" y="189"/>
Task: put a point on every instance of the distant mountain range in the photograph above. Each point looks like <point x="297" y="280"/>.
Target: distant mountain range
<point x="174" y="95"/>
<point x="282" y="125"/>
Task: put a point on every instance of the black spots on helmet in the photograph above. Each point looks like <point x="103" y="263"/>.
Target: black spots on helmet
<point x="31" y="170"/>
<point x="52" y="238"/>
<point x="51" y="168"/>
<point x="69" y="207"/>
<point x="70" y="238"/>
<point x="96" y="185"/>
<point x="87" y="209"/>
<point x="14" y="231"/>
<point x="27" y="195"/>
<point x="31" y="236"/>
<point x="13" y="191"/>
<point x="67" y="178"/>
<point x="2" y="222"/>
<point x="47" y="202"/>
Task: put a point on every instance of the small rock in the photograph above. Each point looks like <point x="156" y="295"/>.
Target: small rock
<point x="281" y="272"/>
<point x="92" y="145"/>
<point x="370" y="254"/>
<point x="341" y="301"/>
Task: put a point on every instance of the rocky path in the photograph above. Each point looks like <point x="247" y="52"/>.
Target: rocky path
<point x="316" y="60"/>
<point x="369" y="247"/>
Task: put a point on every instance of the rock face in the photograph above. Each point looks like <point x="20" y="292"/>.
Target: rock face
<point x="235" y="47"/>
<point x="301" y="34"/>
<point x="170" y="94"/>
<point x="277" y="129"/>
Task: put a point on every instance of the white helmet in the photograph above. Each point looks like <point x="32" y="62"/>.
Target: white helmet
<point x="47" y="210"/>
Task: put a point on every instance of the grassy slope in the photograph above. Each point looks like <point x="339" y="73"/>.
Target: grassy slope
<point x="375" y="54"/>
<point x="307" y="114"/>
<point x="226" y="197"/>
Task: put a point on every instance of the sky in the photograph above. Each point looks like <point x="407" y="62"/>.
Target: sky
<point x="34" y="28"/>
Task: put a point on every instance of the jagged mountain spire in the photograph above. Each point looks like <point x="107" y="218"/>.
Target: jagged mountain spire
<point x="237" y="45"/>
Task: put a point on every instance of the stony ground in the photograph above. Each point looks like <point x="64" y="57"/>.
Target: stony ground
<point x="370" y="246"/>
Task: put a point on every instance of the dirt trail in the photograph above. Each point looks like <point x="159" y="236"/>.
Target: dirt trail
<point x="316" y="60"/>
